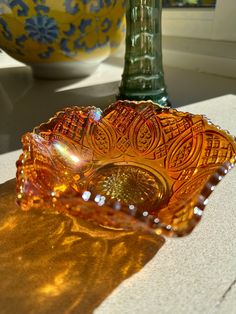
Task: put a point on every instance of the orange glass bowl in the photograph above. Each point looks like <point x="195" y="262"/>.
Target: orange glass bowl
<point x="135" y="165"/>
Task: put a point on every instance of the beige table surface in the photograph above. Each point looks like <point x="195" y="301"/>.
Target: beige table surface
<point x="195" y="274"/>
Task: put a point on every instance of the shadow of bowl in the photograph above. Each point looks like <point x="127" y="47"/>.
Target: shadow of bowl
<point x="53" y="263"/>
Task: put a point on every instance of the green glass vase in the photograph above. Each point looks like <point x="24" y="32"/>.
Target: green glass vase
<point x="143" y="77"/>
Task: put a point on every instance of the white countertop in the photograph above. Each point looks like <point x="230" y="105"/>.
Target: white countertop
<point x="195" y="274"/>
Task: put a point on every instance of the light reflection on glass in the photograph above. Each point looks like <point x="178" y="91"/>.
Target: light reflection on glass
<point x="86" y="195"/>
<point x="96" y="114"/>
<point x="64" y="151"/>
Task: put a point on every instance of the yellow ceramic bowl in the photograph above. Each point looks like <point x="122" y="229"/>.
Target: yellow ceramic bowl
<point x="61" y="38"/>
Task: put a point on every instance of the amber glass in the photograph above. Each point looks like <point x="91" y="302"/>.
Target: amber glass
<point x="137" y="165"/>
<point x="143" y="76"/>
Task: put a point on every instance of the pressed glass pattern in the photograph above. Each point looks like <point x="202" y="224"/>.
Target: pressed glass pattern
<point x="143" y="76"/>
<point x="137" y="165"/>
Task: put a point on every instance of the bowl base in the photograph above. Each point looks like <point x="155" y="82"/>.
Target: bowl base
<point x="64" y="70"/>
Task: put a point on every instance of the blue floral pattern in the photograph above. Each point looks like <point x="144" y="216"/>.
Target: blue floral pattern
<point x="36" y="30"/>
<point x="5" y="29"/>
<point x="42" y="28"/>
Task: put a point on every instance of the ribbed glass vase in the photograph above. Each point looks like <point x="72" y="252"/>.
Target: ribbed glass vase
<point x="143" y="77"/>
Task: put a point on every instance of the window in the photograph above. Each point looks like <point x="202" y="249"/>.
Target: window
<point x="200" y="35"/>
<point x="215" y="20"/>
<point x="189" y="3"/>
